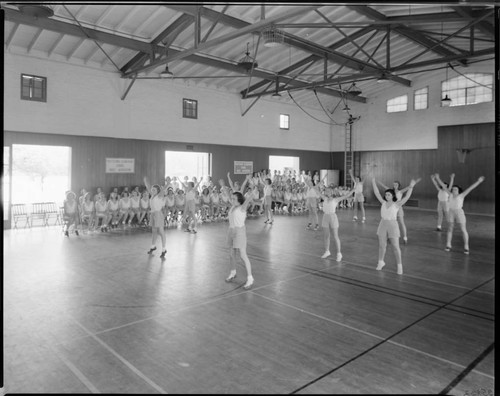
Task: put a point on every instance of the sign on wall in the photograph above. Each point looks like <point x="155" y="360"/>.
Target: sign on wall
<point x="243" y="167"/>
<point x="120" y="165"/>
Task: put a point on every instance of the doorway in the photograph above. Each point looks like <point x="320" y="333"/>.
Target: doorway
<point x="282" y="163"/>
<point x="40" y="173"/>
<point x="181" y="164"/>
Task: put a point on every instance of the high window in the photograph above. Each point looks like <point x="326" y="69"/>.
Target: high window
<point x="399" y="103"/>
<point x="33" y="88"/>
<point x="468" y="89"/>
<point x="284" y="121"/>
<point x="189" y="108"/>
<point x="421" y="99"/>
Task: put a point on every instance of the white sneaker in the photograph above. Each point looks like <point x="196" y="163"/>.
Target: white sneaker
<point x="380" y="265"/>
<point x="400" y="269"/>
<point x="339" y="256"/>
<point x="363" y="220"/>
<point x="326" y="254"/>
<point x="249" y="283"/>
<point x="355" y="218"/>
<point x="231" y="276"/>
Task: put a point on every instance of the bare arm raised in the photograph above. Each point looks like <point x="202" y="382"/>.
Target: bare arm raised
<point x="473" y="186"/>
<point x="408" y="194"/>
<point x="376" y="191"/>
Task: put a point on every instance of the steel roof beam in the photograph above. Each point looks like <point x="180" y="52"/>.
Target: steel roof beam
<point x="170" y="33"/>
<point x="405" y="31"/>
<point x="299" y="10"/>
<point x="484" y="26"/>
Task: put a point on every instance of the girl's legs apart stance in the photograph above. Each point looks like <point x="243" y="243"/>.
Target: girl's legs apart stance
<point x="326" y="239"/>
<point x="382" y="249"/>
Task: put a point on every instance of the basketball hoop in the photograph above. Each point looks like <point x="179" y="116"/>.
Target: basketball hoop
<point x="462" y="153"/>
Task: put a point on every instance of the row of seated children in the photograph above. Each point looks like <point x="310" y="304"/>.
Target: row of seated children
<point x="131" y="207"/>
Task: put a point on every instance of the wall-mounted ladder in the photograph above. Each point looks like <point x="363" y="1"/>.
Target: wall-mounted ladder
<point x="348" y="155"/>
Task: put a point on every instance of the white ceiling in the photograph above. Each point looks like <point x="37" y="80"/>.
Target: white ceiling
<point x="326" y="46"/>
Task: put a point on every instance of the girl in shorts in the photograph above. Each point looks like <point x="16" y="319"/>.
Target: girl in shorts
<point x="388" y="228"/>
<point x="71" y="215"/>
<point x="101" y="213"/>
<point x="330" y="220"/>
<point x="443" y="196"/>
<point x="236" y="235"/>
<point x="456" y="213"/>
<point x="144" y="212"/>
<point x="157" y="219"/>
<point x="359" y="198"/>
<point x="396" y="186"/>
<point x="135" y="207"/>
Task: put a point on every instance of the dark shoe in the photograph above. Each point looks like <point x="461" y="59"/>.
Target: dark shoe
<point x="162" y="255"/>
<point x="66" y="233"/>
<point x="76" y="232"/>
<point x="151" y="250"/>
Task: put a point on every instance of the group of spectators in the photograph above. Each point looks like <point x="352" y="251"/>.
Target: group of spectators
<point x="129" y="206"/>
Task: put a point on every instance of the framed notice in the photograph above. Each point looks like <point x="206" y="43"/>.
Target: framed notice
<point x="120" y="165"/>
<point x="243" y="167"/>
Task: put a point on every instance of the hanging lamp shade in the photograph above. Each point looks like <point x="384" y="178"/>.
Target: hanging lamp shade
<point x="247" y="62"/>
<point x="446" y="101"/>
<point x="273" y="37"/>
<point x="354" y="90"/>
<point x="166" y="73"/>
<point x="383" y="78"/>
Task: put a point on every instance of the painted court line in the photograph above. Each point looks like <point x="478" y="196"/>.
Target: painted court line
<point x="370" y="334"/>
<point x="123" y="360"/>
<point x="76" y="371"/>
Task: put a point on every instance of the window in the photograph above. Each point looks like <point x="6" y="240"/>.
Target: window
<point x="284" y="121"/>
<point x="397" y="104"/>
<point x="420" y="99"/>
<point x="468" y="89"/>
<point x="189" y="108"/>
<point x="33" y="88"/>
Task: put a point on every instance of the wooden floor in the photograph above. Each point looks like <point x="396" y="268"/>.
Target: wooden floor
<point x="96" y="314"/>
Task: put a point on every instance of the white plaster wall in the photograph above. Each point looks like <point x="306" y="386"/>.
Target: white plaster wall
<point x="411" y="130"/>
<point x="86" y="101"/>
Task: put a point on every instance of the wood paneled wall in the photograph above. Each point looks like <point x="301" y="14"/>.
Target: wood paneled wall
<point x="388" y="166"/>
<point x="88" y="162"/>
<point x="89" y="155"/>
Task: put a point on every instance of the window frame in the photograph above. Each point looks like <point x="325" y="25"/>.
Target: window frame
<point x="397" y="104"/>
<point x="186" y="110"/>
<point x="426" y="98"/>
<point x="286" y="120"/>
<point x="31" y="87"/>
<point x="462" y="82"/>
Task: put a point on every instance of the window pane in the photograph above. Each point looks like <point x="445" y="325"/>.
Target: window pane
<point x="284" y="121"/>
<point x="397" y="104"/>
<point x="468" y="89"/>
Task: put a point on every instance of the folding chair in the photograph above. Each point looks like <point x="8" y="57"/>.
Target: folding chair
<point x="51" y="210"/>
<point x="38" y="213"/>
<point x="19" y="212"/>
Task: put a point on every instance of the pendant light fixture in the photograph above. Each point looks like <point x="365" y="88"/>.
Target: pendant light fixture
<point x="446" y="101"/>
